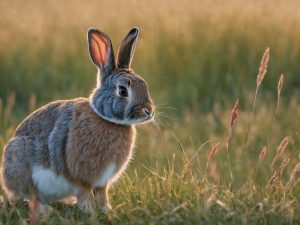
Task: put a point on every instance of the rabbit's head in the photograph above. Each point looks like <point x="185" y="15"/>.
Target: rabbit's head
<point x="121" y="96"/>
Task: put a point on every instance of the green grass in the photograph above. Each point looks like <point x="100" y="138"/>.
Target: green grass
<point x="198" y="59"/>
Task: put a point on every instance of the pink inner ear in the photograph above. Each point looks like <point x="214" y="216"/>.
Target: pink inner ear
<point x="99" y="48"/>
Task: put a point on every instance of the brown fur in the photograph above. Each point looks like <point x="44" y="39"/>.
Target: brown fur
<point x="93" y="143"/>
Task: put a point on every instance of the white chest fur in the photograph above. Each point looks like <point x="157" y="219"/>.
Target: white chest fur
<point x="50" y="185"/>
<point x="106" y="175"/>
<point x="111" y="173"/>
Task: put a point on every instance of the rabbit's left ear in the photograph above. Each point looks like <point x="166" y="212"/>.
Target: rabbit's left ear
<point x="127" y="48"/>
<point x="101" y="51"/>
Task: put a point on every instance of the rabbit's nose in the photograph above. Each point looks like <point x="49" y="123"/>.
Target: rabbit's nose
<point x="148" y="111"/>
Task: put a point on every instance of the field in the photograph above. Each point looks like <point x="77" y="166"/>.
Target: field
<point x="201" y="161"/>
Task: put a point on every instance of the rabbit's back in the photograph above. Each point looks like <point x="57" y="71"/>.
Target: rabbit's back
<point x="32" y="145"/>
<point x="47" y="128"/>
<point x="41" y="122"/>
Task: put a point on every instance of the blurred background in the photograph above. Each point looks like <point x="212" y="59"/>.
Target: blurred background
<point x="197" y="56"/>
<point x="193" y="53"/>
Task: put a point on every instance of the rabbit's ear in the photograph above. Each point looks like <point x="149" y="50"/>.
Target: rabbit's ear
<point x="101" y="51"/>
<point x="127" y="47"/>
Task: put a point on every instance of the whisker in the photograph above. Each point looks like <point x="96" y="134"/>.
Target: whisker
<point x="163" y="123"/>
<point x="159" y="131"/>
<point x="164" y="116"/>
<point x="155" y="78"/>
<point x="166" y="107"/>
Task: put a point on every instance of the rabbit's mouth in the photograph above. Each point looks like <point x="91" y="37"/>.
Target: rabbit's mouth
<point x="142" y="114"/>
<point x="141" y="120"/>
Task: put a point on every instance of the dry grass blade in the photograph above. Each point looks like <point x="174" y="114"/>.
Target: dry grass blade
<point x="292" y="177"/>
<point x="189" y="163"/>
<point x="279" y="88"/>
<point x="281" y="148"/>
<point x="213" y="151"/>
<point x="261" y="74"/>
<point x="154" y="173"/>
<point x="263" y="67"/>
<point x="262" y="153"/>
<point x="181" y="206"/>
<point x="233" y="118"/>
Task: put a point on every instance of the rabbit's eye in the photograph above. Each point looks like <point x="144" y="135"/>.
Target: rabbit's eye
<point x="123" y="91"/>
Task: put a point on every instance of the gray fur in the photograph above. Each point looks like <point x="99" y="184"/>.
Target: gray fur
<point x="109" y="105"/>
<point x="17" y="167"/>
<point x="58" y="137"/>
<point x="38" y="141"/>
<point x="127" y="48"/>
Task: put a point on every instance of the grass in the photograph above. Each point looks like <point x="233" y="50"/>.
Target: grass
<point x="197" y="63"/>
<point x="171" y="180"/>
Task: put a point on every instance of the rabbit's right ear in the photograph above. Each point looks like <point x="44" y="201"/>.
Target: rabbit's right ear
<point x="101" y="51"/>
<point x="127" y="48"/>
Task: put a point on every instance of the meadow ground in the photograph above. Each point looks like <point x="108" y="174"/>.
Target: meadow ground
<point x="198" y="58"/>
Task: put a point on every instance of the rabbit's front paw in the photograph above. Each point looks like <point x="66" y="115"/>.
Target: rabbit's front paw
<point x="44" y="209"/>
<point x="85" y="202"/>
<point x="106" y="208"/>
<point x="86" y="206"/>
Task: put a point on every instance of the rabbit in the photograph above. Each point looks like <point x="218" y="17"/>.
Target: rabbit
<point x="77" y="148"/>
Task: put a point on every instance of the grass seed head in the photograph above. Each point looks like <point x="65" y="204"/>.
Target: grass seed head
<point x="280" y="84"/>
<point x="213" y="151"/>
<point x="262" y="153"/>
<point x="274" y="179"/>
<point x="233" y="118"/>
<point x="296" y="169"/>
<point x="284" y="163"/>
<point x="281" y="148"/>
<point x="263" y="67"/>
<point x="292" y="177"/>
<point x="234" y="113"/>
